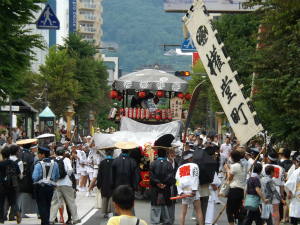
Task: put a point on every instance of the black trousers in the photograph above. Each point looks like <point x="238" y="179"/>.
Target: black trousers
<point x="253" y="216"/>
<point x="12" y="200"/>
<point x="234" y="203"/>
<point x="44" y="196"/>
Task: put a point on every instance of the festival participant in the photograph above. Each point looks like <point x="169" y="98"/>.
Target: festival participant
<point x="103" y="178"/>
<point x="26" y="201"/>
<point x="294" y="166"/>
<point x="125" y="170"/>
<point x="93" y="162"/>
<point x="199" y="144"/>
<point x="171" y="156"/>
<point x="279" y="181"/>
<point x="292" y="187"/>
<point x="83" y="168"/>
<point x="187" y="177"/>
<point x="269" y="190"/>
<point x="286" y="164"/>
<point x="45" y="175"/>
<point x="75" y="164"/>
<point x="213" y="188"/>
<point x="161" y="179"/>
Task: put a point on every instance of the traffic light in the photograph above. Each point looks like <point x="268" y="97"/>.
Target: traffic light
<point x="182" y="73"/>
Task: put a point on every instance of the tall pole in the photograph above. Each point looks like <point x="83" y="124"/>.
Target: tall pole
<point x="10" y="115"/>
<point x="46" y="101"/>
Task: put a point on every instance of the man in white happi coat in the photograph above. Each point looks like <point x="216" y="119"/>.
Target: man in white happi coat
<point x="292" y="187"/>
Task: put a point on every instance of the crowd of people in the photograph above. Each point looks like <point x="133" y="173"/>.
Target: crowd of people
<point x="37" y="179"/>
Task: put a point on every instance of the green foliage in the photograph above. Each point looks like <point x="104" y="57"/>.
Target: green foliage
<point x="139" y="30"/>
<point x="277" y="65"/>
<point x="58" y="73"/>
<point x="90" y="73"/>
<point x="16" y="44"/>
<point x="238" y="33"/>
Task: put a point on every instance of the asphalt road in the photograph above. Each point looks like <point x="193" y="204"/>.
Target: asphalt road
<point x="142" y="210"/>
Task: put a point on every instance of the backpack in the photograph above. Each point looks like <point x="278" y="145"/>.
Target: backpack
<point x="11" y="180"/>
<point x="61" y="167"/>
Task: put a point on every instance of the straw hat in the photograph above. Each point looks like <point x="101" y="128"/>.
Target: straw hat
<point x="107" y="148"/>
<point x="26" y="141"/>
<point x="126" y="145"/>
<point x="280" y="151"/>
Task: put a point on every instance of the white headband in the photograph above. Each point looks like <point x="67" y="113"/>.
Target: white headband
<point x="188" y="156"/>
<point x="272" y="159"/>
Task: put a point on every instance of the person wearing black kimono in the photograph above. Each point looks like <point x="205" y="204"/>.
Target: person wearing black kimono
<point x="124" y="169"/>
<point x="161" y="179"/>
<point x="103" y="178"/>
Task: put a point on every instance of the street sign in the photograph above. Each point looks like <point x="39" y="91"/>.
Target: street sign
<point x="47" y="19"/>
<point x="50" y="123"/>
<point x="188" y="45"/>
<point x="13" y="108"/>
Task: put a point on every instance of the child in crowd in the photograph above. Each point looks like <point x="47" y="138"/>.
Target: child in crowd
<point x="123" y="200"/>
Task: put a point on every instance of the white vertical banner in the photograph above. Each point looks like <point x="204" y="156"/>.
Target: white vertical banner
<point x="220" y="72"/>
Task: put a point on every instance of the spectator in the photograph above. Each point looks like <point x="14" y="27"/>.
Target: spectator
<point x="9" y="184"/>
<point x="24" y="135"/>
<point x="64" y="187"/>
<point x="253" y="188"/>
<point x="236" y="175"/>
<point x="123" y="200"/>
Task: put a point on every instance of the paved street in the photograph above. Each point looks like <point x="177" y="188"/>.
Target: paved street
<point x="91" y="216"/>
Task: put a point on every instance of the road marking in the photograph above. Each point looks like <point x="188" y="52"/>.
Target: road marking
<point x="88" y="216"/>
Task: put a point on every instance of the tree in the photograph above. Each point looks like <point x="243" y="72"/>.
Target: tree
<point x="58" y="73"/>
<point x="16" y="43"/>
<point x="91" y="75"/>
<point x="277" y="65"/>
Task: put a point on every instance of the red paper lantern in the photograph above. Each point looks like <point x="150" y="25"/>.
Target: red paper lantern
<point x="119" y="97"/>
<point x="142" y="94"/>
<point x="180" y="95"/>
<point x="156" y="100"/>
<point x="187" y="96"/>
<point x="160" y="94"/>
<point x="113" y="94"/>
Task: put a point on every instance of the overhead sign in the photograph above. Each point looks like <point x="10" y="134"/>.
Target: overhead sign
<point x="219" y="68"/>
<point x="213" y="6"/>
<point x="47" y="19"/>
<point x="13" y="108"/>
<point x="188" y="45"/>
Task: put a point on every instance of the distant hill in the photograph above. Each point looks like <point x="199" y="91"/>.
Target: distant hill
<point x="138" y="26"/>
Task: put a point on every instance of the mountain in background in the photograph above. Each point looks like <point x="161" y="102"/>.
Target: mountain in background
<point x="138" y="27"/>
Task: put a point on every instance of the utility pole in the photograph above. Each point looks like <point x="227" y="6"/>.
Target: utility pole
<point x="46" y="89"/>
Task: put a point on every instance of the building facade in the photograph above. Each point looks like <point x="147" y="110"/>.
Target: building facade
<point x="89" y="20"/>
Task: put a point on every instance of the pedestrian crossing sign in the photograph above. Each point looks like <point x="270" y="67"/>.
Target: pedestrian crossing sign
<point x="188" y="45"/>
<point x="47" y="19"/>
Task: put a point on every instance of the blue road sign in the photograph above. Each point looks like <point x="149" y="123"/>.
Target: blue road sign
<point x="188" y="45"/>
<point x="47" y="19"/>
